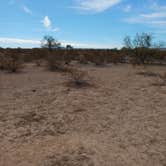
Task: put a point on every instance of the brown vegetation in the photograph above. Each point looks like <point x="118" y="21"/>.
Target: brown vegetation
<point x="161" y="80"/>
<point x="11" y="62"/>
<point x="78" y="78"/>
<point x="84" y="56"/>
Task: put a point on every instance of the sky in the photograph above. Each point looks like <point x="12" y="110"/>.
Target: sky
<point x="80" y="23"/>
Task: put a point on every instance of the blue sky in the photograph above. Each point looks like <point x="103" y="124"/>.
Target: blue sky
<point x="81" y="23"/>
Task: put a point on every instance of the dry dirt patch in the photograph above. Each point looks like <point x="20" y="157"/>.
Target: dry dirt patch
<point x="74" y="157"/>
<point x="124" y="115"/>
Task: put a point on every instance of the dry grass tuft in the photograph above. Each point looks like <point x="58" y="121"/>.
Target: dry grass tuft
<point x="78" y="78"/>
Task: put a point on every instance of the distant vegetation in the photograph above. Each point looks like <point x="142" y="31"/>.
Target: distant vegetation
<point x="142" y="50"/>
<point x="11" y="60"/>
<point x="50" y="43"/>
<point x="137" y="51"/>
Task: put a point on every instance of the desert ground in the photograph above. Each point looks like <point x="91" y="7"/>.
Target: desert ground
<point x="120" y="120"/>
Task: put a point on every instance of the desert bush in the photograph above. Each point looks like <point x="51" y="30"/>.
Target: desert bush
<point x="117" y="58"/>
<point x="11" y="62"/>
<point x="54" y="63"/>
<point x="98" y="59"/>
<point x="67" y="57"/>
<point x="78" y="78"/>
<point x="82" y="59"/>
<point x="58" y="63"/>
<point x="134" y="61"/>
<point x="50" y="43"/>
<point x="161" y="80"/>
<point x="140" y="46"/>
<point x="38" y="62"/>
<point x="13" y="65"/>
<point x="2" y="61"/>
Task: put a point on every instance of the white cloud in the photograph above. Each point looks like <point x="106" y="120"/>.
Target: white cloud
<point x="96" y="5"/>
<point x="142" y="20"/>
<point x="155" y="6"/>
<point x="46" y="22"/>
<point x="90" y="45"/>
<point x="48" y="25"/>
<point x="56" y="29"/>
<point x="127" y="8"/>
<point x="155" y="15"/>
<point x="26" y="9"/>
<point x="15" y="42"/>
<point x="5" y="40"/>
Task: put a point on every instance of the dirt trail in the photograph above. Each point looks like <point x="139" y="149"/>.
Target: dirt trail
<point x="120" y="121"/>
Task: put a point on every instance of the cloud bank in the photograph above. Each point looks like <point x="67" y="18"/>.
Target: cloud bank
<point x="25" y="43"/>
<point x="95" y="5"/>
<point x="156" y="17"/>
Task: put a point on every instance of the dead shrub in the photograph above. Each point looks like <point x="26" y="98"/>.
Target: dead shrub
<point x="98" y="60"/>
<point x="115" y="58"/>
<point x="134" y="61"/>
<point x="39" y="62"/>
<point x="163" y="77"/>
<point x="161" y="80"/>
<point x="78" y="78"/>
<point x="55" y="64"/>
<point x="11" y="63"/>
<point x="2" y="61"/>
<point x="67" y="58"/>
<point x="82" y="59"/>
<point x="13" y="66"/>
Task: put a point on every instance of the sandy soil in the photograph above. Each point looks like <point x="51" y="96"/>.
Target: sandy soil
<point x="120" y="121"/>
